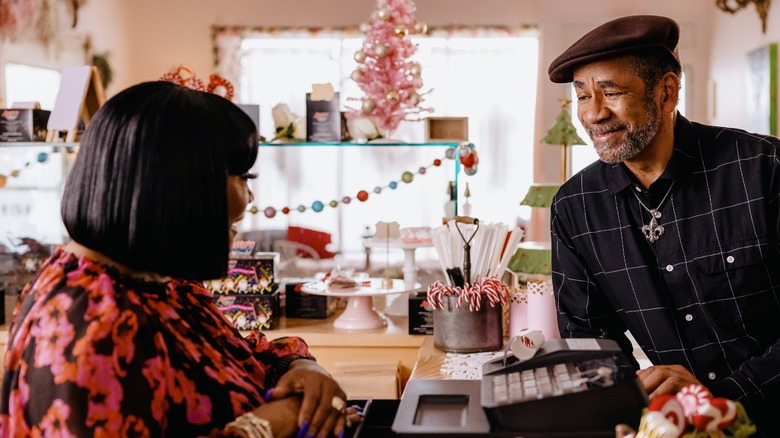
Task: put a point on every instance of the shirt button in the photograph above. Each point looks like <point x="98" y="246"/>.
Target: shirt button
<point x="711" y="376"/>
<point x="638" y="189"/>
<point x="689" y="317"/>
<point x="669" y="268"/>
<point x="730" y="259"/>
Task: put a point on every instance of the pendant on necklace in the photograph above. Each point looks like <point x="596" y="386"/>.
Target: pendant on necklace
<point x="653" y="230"/>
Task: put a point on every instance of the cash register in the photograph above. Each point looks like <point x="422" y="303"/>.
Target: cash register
<point x="569" y="388"/>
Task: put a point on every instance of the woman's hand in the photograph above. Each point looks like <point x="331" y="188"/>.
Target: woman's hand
<point x="323" y="404"/>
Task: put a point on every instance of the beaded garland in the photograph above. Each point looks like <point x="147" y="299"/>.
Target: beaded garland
<point x="42" y="158"/>
<point x="362" y="195"/>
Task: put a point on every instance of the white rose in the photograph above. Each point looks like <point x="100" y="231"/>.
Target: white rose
<point x="299" y="128"/>
<point x="282" y="115"/>
<point x="362" y="128"/>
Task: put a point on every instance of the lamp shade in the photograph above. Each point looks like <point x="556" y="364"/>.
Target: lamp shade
<point x="540" y="195"/>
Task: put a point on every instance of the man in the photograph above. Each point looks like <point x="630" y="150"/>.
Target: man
<point x="673" y="234"/>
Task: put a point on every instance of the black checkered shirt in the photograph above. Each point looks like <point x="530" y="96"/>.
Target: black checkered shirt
<point x="706" y="294"/>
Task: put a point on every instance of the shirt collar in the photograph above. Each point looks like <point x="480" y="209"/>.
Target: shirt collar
<point x="680" y="166"/>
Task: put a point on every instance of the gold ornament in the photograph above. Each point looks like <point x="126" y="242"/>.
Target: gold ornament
<point x="364" y="27"/>
<point x="416" y="69"/>
<point x="368" y="105"/>
<point x="360" y="56"/>
<point x="356" y="75"/>
<point x="381" y="50"/>
<point x="393" y="96"/>
<point x="382" y="13"/>
<point x="420" y="28"/>
<point x="415" y="99"/>
<point x="401" y="31"/>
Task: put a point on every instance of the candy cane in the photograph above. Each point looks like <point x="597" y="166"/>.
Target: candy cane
<point x="216" y="81"/>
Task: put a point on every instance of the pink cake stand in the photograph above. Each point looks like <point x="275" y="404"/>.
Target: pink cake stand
<point x="360" y="313"/>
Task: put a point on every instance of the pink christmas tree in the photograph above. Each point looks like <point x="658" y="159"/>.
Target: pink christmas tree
<point x="386" y="73"/>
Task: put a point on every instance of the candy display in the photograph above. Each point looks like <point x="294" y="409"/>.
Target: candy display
<point x="250" y="311"/>
<point x="693" y="413"/>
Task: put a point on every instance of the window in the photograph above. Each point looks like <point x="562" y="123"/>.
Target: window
<point x="26" y="83"/>
<point x="487" y="75"/>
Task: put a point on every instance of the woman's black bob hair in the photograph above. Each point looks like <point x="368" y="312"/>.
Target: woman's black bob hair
<point x="149" y="185"/>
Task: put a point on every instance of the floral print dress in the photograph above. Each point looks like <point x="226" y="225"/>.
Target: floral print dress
<point x="93" y="352"/>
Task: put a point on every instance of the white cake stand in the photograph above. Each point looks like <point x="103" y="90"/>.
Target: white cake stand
<point x="360" y="313"/>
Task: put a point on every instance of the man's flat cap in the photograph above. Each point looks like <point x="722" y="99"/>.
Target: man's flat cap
<point x="616" y="38"/>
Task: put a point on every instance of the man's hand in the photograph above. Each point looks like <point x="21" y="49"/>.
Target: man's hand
<point x="665" y="379"/>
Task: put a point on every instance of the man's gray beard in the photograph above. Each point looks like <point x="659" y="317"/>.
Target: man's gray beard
<point x="611" y="152"/>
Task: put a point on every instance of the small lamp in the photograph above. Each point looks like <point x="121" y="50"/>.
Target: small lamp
<point x="564" y="134"/>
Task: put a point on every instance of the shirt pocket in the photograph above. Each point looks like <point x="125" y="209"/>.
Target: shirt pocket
<point x="740" y="275"/>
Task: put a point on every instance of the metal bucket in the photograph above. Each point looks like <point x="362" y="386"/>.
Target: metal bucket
<point x="459" y="330"/>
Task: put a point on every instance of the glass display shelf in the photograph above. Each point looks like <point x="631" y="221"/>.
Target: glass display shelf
<point x="38" y="144"/>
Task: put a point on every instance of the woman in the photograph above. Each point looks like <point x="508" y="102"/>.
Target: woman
<point x="116" y="335"/>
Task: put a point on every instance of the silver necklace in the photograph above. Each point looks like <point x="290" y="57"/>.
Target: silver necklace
<point x="653" y="230"/>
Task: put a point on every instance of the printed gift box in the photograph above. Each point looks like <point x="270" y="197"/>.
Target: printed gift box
<point x="420" y="314"/>
<point x="250" y="311"/>
<point x="23" y="125"/>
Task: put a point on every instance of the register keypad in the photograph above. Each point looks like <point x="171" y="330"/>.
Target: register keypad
<point x="542" y="382"/>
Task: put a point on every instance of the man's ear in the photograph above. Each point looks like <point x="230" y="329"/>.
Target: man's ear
<point x="670" y="92"/>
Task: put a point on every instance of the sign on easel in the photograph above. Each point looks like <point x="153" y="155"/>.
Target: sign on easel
<point x="78" y="99"/>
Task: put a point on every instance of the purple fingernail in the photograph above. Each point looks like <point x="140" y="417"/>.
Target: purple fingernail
<point x="268" y="394"/>
<point x="304" y="428"/>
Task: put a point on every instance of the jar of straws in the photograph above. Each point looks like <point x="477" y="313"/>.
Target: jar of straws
<point x="467" y="310"/>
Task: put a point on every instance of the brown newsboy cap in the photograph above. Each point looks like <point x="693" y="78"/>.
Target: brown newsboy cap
<point x="617" y="38"/>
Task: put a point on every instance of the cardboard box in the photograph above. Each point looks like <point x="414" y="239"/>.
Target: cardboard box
<point x="250" y="311"/>
<point x="369" y="379"/>
<point x="302" y="305"/>
<point x="446" y="129"/>
<point x="23" y="125"/>
<point x="420" y="314"/>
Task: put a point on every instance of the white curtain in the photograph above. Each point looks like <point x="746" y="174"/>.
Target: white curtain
<point x="485" y="74"/>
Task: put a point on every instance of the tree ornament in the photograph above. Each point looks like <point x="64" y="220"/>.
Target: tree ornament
<point x="355" y="75"/>
<point x="381" y="50"/>
<point x="415" y="99"/>
<point x="382" y="13"/>
<point x="420" y="28"/>
<point x="407" y="177"/>
<point x="362" y="196"/>
<point x="393" y="96"/>
<point x="269" y="212"/>
<point x="364" y="27"/>
<point x="368" y="105"/>
<point x="470" y="170"/>
<point x="360" y="56"/>
<point x="415" y="70"/>
<point x="401" y="31"/>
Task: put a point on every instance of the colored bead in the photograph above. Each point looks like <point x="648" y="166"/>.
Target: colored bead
<point x="437" y="162"/>
<point x="407" y="177"/>
<point x="334" y="203"/>
<point x="377" y="190"/>
<point x="422" y="171"/>
<point x="42" y="157"/>
<point x="254" y="209"/>
<point x="450" y="154"/>
<point x="362" y="196"/>
<point x="346" y="200"/>
<point x="301" y="208"/>
<point x="270" y="212"/>
<point x="286" y="210"/>
<point x="317" y="206"/>
<point x="393" y="185"/>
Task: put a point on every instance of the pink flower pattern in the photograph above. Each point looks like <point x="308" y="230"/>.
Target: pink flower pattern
<point x="92" y="352"/>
